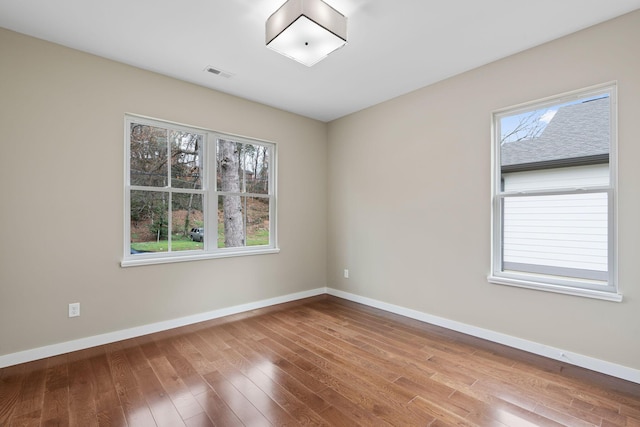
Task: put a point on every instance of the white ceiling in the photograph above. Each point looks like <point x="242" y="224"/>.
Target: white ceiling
<point x="394" y="47"/>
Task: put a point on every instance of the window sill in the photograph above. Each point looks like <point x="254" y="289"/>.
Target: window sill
<point x="151" y="260"/>
<point x="567" y="290"/>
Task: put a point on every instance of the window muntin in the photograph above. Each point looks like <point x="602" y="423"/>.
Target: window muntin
<point x="554" y="175"/>
<point x="178" y="179"/>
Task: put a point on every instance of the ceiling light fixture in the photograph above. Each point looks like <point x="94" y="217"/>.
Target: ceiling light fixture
<point x="306" y="30"/>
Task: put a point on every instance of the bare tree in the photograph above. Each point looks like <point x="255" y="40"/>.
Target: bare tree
<point x="529" y="126"/>
<point x="185" y="171"/>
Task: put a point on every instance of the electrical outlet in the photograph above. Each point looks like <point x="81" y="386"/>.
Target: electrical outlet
<point x="74" y="309"/>
<point x="346" y="273"/>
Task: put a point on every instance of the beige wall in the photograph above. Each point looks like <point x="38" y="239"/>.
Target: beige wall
<point x="409" y="197"/>
<point x="61" y="216"/>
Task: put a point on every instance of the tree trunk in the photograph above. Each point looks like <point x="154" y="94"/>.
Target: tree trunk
<point x="231" y="205"/>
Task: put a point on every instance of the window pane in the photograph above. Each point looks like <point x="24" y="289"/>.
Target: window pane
<point x="559" y="135"/>
<point x="228" y="166"/>
<point x="254" y="167"/>
<point x="231" y="219"/>
<point x="564" y="231"/>
<point x="186" y="159"/>
<point x="243" y="168"/>
<point x="149" y="221"/>
<point x="187" y="220"/>
<point x="257" y="221"/>
<point x="148" y="152"/>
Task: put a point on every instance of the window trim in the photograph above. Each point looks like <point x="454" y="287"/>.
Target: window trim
<point x="210" y="198"/>
<point x="570" y="286"/>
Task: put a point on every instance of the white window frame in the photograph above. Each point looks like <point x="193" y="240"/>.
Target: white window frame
<point x="210" y="198"/>
<point x="606" y="290"/>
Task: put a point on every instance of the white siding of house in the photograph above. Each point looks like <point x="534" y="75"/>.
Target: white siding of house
<point x="549" y="179"/>
<point x="563" y="230"/>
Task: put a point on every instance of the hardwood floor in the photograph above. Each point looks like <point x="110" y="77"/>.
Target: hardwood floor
<point x="321" y="361"/>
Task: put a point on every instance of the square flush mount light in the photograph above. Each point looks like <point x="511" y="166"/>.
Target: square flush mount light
<point x="306" y="30"/>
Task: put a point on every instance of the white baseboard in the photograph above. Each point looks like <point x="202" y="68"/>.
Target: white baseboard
<point x="615" y="370"/>
<point x="576" y="359"/>
<point x="88" y="342"/>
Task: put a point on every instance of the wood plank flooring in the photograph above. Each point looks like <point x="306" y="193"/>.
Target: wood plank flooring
<point x="320" y="361"/>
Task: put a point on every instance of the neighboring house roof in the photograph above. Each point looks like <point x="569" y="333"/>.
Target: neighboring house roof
<point x="578" y="133"/>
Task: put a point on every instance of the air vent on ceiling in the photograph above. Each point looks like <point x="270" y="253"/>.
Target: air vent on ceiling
<point x="218" y="72"/>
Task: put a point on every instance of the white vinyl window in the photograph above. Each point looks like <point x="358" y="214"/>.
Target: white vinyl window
<point x="192" y="193"/>
<point x="554" y="194"/>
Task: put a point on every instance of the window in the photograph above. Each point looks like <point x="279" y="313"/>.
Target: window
<point x="193" y="193"/>
<point x="553" y="194"/>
